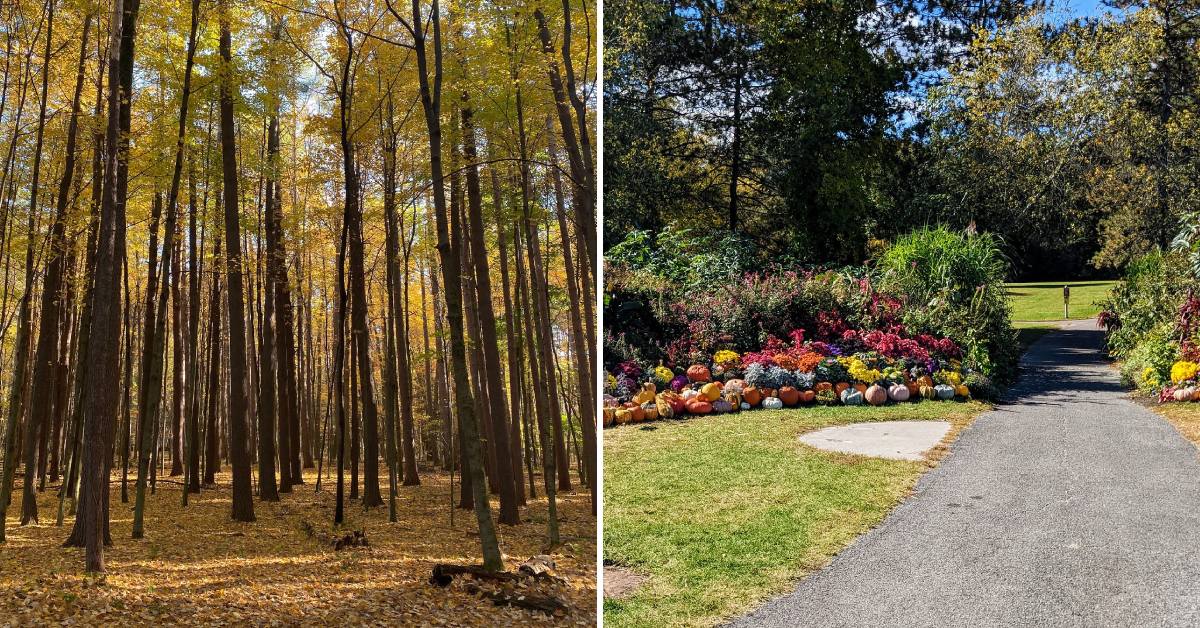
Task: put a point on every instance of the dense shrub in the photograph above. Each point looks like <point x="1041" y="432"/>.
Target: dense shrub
<point x="1146" y="301"/>
<point x="953" y="286"/>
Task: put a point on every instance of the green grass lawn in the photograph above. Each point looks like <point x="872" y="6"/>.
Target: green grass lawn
<point x="721" y="512"/>
<point x="1043" y="301"/>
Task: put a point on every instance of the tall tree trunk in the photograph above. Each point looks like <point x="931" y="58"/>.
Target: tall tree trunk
<point x="243" y="502"/>
<point x="91" y="521"/>
<point x="513" y="343"/>
<point x="37" y="417"/>
<point x="583" y="367"/>
<point x="509" y="512"/>
<point x="451" y="273"/>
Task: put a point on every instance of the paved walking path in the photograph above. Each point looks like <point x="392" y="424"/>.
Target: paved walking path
<point x="1068" y="505"/>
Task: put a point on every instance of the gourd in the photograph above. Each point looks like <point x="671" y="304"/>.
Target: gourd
<point x="665" y="411"/>
<point x="623" y="416"/>
<point x="752" y="395"/>
<point x="734" y="399"/>
<point x="721" y="406"/>
<point x="928" y="392"/>
<point x="645" y="394"/>
<point x="699" y="373"/>
<point x="962" y="391"/>
<point x="711" y="391"/>
<point x="610" y="415"/>
<point x="789" y="396"/>
<point x="925" y="380"/>
<point x="852" y="397"/>
<point x="735" y="385"/>
<point x="676" y="402"/>
<point x="944" y="391"/>
<point x="807" y="396"/>
<point x="650" y="411"/>
<point x="772" y="403"/>
<point x="876" y="395"/>
<point x="699" y="406"/>
<point x="899" y="392"/>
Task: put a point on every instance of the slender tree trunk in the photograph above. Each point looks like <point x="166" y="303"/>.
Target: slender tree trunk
<point x="37" y="416"/>
<point x="91" y="521"/>
<point x="243" y="503"/>
<point x="509" y="512"/>
<point x="451" y="274"/>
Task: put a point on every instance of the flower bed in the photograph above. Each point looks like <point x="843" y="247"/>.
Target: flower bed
<point x="854" y="367"/>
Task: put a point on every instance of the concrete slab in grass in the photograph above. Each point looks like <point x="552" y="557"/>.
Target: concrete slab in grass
<point x="898" y="440"/>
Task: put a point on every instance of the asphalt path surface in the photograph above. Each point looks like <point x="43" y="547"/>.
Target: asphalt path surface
<point x="1068" y="505"/>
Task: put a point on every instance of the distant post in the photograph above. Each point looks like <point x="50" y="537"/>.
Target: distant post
<point x="1066" y="302"/>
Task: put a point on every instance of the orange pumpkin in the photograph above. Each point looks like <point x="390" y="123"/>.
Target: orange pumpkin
<point x="807" y="396"/>
<point x="914" y="390"/>
<point x="638" y="413"/>
<point x="752" y="396"/>
<point x="675" y="401"/>
<point x="698" y="406"/>
<point x="924" y="380"/>
<point x="860" y="387"/>
<point x="770" y="392"/>
<point x="824" y="386"/>
<point x="840" y="387"/>
<point x="699" y="373"/>
<point x="789" y="395"/>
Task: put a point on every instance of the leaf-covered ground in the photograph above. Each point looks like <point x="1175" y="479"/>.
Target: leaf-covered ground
<point x="196" y="566"/>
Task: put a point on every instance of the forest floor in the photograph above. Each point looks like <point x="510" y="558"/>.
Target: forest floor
<point x="197" y="566"/>
<point x="715" y="514"/>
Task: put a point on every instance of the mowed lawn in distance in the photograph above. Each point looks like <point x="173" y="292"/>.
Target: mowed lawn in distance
<point x="722" y="512"/>
<point x="1043" y="300"/>
<point x="1036" y="305"/>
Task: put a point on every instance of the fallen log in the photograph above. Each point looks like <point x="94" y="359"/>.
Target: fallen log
<point x="547" y="604"/>
<point x="355" y="538"/>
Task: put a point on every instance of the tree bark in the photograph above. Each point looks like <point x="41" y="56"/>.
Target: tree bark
<point x="243" y="503"/>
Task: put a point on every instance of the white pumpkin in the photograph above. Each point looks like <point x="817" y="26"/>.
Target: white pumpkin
<point x="944" y="391"/>
<point x="688" y="393"/>
<point x="898" y="392"/>
<point x="772" y="403"/>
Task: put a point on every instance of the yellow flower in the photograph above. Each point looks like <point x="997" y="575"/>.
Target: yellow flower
<point x="1150" y="376"/>
<point x="726" y="358"/>
<point x="954" y="378"/>
<point x="859" y="371"/>
<point x="663" y="373"/>
<point x="1183" y="370"/>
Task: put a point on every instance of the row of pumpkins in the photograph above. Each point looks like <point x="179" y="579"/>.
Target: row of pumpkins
<point x="710" y="397"/>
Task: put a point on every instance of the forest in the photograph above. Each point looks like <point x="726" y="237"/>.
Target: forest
<point x="784" y="134"/>
<point x="284" y="279"/>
